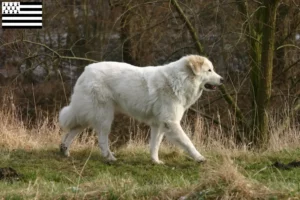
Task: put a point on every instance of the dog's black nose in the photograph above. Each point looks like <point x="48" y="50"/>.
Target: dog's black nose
<point x="221" y="80"/>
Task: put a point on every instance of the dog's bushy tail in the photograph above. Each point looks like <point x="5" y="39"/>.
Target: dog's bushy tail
<point x="66" y="118"/>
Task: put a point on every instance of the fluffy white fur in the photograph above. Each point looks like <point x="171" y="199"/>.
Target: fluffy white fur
<point x="157" y="96"/>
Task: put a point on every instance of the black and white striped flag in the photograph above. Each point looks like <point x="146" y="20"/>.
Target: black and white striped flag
<point x="22" y="15"/>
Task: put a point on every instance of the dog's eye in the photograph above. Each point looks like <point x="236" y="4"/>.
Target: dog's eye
<point x="209" y="70"/>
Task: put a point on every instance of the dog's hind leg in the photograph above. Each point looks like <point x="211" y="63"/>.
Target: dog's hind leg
<point x="175" y="133"/>
<point x="155" y="140"/>
<point x="103" y="140"/>
<point x="103" y="127"/>
<point x="68" y="139"/>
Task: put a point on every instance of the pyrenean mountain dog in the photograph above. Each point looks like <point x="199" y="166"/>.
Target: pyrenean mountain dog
<point x="155" y="95"/>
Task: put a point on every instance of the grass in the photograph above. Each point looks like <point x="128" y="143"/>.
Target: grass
<point x="47" y="174"/>
<point x="250" y="175"/>
<point x="231" y="172"/>
<point x="287" y="181"/>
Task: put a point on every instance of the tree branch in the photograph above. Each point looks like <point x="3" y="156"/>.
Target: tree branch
<point x="200" y="50"/>
<point x="50" y="49"/>
<point x="189" y="26"/>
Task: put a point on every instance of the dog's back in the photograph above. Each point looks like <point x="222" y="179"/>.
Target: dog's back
<point x="141" y="92"/>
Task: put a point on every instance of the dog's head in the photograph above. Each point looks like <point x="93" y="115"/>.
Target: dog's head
<point x="203" y="69"/>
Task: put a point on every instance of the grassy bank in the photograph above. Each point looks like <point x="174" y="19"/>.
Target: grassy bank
<point x="231" y="172"/>
<point x="248" y="175"/>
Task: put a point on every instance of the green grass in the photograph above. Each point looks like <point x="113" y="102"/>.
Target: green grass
<point x="49" y="175"/>
<point x="258" y="167"/>
<point x="266" y="181"/>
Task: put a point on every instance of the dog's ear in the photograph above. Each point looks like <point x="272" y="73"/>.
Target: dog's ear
<point x="195" y="64"/>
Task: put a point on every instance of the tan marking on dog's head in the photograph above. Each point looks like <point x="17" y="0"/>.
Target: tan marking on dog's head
<point x="195" y="63"/>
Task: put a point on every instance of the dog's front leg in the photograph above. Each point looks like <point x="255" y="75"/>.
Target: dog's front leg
<point x="175" y="133"/>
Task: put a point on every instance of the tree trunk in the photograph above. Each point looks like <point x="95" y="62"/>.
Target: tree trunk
<point x="127" y="49"/>
<point x="261" y="35"/>
<point x="267" y="54"/>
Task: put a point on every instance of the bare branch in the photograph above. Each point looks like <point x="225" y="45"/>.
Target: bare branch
<point x="50" y="49"/>
<point x="200" y="50"/>
<point x="189" y="26"/>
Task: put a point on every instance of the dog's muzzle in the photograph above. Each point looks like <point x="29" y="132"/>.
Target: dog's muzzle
<point x="213" y="86"/>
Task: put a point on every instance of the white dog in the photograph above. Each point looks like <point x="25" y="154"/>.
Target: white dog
<point x="157" y="96"/>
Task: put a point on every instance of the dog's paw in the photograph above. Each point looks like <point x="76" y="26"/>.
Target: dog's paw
<point x="64" y="150"/>
<point x="110" y="157"/>
<point x="158" y="162"/>
<point x="200" y="159"/>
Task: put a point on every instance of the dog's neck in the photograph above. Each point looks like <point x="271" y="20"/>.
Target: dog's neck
<point x="181" y="80"/>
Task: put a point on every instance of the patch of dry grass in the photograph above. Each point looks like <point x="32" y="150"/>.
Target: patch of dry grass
<point x="223" y="179"/>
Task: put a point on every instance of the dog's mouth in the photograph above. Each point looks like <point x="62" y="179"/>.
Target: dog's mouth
<point x="210" y="86"/>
